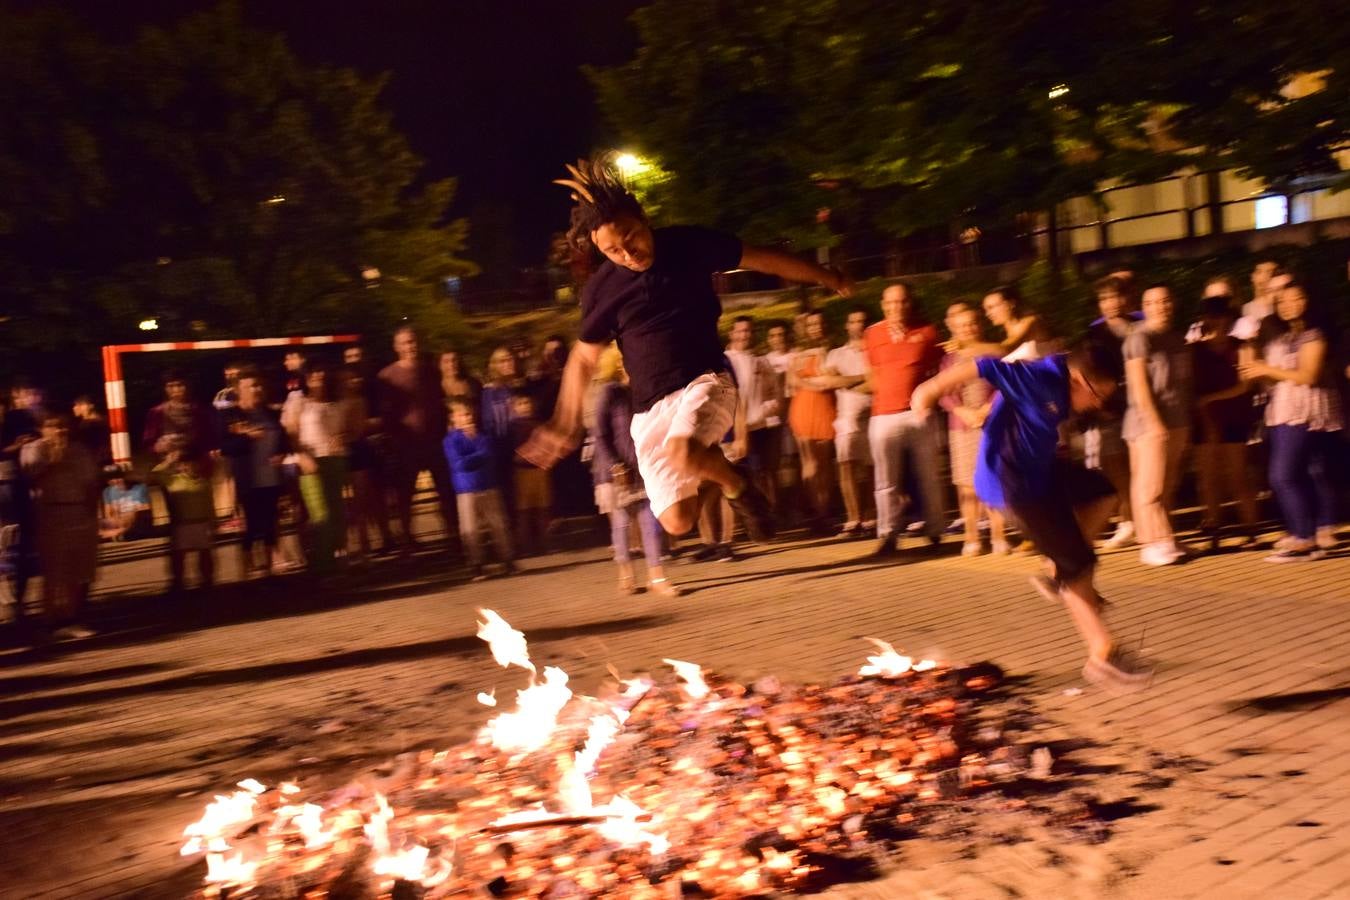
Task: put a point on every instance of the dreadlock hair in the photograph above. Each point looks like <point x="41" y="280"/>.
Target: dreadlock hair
<point x="600" y="197"/>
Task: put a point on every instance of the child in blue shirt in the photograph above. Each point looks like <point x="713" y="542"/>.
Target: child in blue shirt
<point x="1060" y="505"/>
<point x="473" y="471"/>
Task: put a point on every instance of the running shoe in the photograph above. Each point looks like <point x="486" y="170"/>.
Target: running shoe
<point x="706" y="553"/>
<point x="1119" y="673"/>
<point x="1160" y="555"/>
<point x="1123" y="537"/>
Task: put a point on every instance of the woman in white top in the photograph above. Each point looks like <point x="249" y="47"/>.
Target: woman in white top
<point x="320" y="426"/>
<point x="1302" y="413"/>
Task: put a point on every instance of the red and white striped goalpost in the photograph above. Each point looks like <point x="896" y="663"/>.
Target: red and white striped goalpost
<point x="115" y="388"/>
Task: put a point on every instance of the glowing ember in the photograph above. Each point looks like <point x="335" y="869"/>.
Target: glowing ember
<point x="711" y="787"/>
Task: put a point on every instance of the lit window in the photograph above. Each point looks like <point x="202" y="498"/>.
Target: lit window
<point x="1272" y="211"/>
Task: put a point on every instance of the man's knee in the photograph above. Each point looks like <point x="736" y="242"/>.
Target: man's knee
<point x="681" y="517"/>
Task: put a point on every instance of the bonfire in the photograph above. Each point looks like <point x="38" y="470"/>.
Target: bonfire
<point x="683" y="784"/>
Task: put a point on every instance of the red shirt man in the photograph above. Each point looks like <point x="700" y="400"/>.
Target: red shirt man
<point x="902" y="353"/>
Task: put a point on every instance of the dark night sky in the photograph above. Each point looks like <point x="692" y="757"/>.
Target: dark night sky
<point x="489" y="92"/>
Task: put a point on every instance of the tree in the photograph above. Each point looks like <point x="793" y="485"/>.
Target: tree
<point x="202" y="175"/>
<point x="934" y="113"/>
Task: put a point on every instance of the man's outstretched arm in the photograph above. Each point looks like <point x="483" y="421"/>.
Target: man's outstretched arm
<point x="789" y="267"/>
<point x="926" y="395"/>
<point x="560" y="435"/>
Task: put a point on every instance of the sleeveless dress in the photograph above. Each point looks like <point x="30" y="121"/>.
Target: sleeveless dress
<point x="812" y="414"/>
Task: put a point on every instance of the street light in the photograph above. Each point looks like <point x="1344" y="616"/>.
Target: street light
<point x="629" y="165"/>
<point x="149" y="325"/>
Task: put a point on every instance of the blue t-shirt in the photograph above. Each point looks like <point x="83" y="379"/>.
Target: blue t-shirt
<point x="1022" y="431"/>
<point x="131" y="498"/>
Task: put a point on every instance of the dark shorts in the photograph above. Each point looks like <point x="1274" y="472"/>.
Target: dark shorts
<point x="1049" y="519"/>
<point x="763" y="450"/>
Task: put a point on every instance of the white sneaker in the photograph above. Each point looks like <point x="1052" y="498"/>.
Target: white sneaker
<point x="999" y="548"/>
<point x="972" y="548"/>
<point x="1326" y="538"/>
<point x="1160" y="555"/>
<point x="73" y="633"/>
<point x="1123" y="537"/>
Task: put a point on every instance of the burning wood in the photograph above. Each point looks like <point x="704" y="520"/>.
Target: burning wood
<point x="703" y="786"/>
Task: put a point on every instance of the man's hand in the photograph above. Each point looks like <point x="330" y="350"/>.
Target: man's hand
<point x="841" y="284"/>
<point x="921" y="402"/>
<point x="547" y="445"/>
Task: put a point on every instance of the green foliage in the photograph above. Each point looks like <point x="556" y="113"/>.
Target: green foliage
<point x="907" y="116"/>
<point x="202" y="175"/>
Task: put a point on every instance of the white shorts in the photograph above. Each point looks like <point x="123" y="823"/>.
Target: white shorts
<point x="852" y="446"/>
<point x="703" y="410"/>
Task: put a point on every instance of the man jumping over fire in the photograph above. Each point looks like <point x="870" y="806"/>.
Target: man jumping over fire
<point x="654" y="294"/>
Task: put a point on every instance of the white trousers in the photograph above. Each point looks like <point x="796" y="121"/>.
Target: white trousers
<point x="897" y="438"/>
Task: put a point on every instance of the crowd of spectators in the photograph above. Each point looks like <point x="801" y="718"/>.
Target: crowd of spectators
<point x="318" y="469"/>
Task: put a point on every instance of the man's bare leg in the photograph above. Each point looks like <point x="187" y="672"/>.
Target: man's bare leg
<point x="706" y="462"/>
<point x="682" y="517"/>
<point x="1080" y="594"/>
<point x="1081" y="600"/>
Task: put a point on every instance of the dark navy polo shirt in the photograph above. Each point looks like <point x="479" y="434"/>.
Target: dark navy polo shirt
<point x="665" y="319"/>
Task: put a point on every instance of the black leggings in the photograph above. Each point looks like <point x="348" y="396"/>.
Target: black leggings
<point x="260" y="516"/>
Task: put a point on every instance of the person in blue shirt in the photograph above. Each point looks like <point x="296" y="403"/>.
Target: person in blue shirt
<point x="1062" y="506"/>
<point x="473" y="471"/>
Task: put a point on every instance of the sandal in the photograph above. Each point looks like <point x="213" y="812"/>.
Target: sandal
<point x="1118" y="673"/>
<point x="627" y="585"/>
<point x="665" y="587"/>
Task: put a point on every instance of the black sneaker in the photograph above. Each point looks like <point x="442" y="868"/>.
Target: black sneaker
<point x="706" y="553"/>
<point x="886" y="547"/>
<point x="724" y="553"/>
<point x="755" y="512"/>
